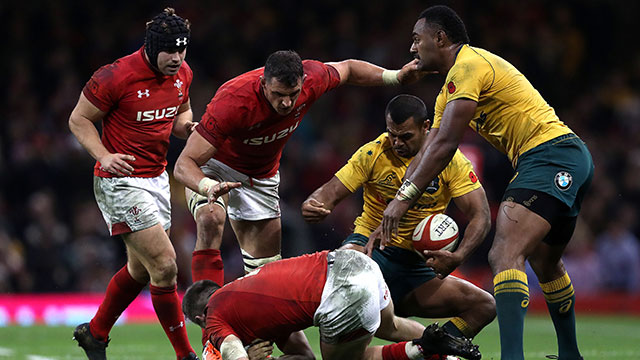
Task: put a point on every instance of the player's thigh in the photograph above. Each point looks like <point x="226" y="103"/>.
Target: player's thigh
<point x="151" y="247"/>
<point x="352" y="350"/>
<point x="518" y="232"/>
<point x="260" y="238"/>
<point x="446" y="297"/>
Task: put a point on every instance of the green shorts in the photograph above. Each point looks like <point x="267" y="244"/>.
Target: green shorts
<point x="403" y="270"/>
<point x="561" y="167"/>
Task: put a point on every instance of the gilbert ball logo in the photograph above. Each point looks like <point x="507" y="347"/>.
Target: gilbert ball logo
<point x="563" y="180"/>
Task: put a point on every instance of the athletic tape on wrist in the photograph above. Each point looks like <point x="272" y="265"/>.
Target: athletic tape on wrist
<point x="232" y="350"/>
<point x="205" y="184"/>
<point x="390" y="77"/>
<point x="408" y="191"/>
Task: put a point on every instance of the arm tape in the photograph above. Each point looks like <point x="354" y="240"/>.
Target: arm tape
<point x="390" y="77"/>
<point x="408" y="191"/>
<point x="232" y="349"/>
<point x="205" y="184"/>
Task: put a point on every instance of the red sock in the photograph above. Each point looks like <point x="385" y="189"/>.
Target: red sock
<point x="121" y="291"/>
<point x="207" y="264"/>
<point x="395" y="351"/>
<point x="167" y="306"/>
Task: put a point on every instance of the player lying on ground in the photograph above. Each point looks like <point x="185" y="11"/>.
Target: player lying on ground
<point x="379" y="167"/>
<point x="341" y="292"/>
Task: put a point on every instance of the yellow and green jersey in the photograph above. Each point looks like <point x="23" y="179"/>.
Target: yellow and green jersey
<point x="380" y="171"/>
<point x="511" y="113"/>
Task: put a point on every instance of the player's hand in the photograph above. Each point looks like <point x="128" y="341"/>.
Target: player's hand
<point x="313" y="211"/>
<point x="410" y="73"/>
<point x="190" y="126"/>
<point x="374" y="240"/>
<point x="391" y="218"/>
<point x="117" y="164"/>
<point x="260" y="349"/>
<point x="218" y="190"/>
<point x="443" y="262"/>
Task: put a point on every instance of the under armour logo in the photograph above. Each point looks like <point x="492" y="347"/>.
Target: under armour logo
<point x="181" y="41"/>
<point x="174" y="328"/>
<point x="143" y="93"/>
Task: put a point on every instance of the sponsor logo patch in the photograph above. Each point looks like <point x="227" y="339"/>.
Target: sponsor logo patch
<point x="563" y="180"/>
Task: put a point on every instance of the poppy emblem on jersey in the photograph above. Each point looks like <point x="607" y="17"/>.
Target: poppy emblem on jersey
<point x="563" y="180"/>
<point x="451" y="87"/>
<point x="178" y="85"/>
<point x="473" y="177"/>
<point x="143" y="93"/>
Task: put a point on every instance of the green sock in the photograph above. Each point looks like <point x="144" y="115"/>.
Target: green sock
<point x="561" y="304"/>
<point x="511" y="290"/>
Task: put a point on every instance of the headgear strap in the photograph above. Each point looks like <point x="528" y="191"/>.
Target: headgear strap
<point x="166" y="32"/>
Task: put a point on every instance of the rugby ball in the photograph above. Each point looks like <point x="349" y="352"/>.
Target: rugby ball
<point x="436" y="232"/>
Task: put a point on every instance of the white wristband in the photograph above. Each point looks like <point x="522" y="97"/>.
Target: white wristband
<point x="232" y="349"/>
<point x="390" y="77"/>
<point x="205" y="184"/>
<point x="408" y="191"/>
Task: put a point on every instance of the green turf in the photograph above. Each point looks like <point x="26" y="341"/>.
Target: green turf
<point x="599" y="338"/>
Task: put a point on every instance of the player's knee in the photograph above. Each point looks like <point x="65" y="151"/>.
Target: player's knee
<point x="210" y="225"/>
<point x="500" y="259"/>
<point x="485" y="305"/>
<point x="165" y="270"/>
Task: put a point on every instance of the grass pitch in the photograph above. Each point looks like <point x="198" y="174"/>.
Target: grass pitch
<point x="599" y="337"/>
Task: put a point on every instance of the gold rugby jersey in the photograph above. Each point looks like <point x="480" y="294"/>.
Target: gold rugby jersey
<point x="380" y="171"/>
<point x="511" y="113"/>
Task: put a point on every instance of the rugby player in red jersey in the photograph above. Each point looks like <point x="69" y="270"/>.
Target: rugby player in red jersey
<point x="341" y="292"/>
<point x="141" y="99"/>
<point x="240" y="139"/>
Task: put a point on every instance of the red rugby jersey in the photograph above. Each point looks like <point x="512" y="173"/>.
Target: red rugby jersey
<point x="140" y="106"/>
<point x="278" y="299"/>
<point x="247" y="132"/>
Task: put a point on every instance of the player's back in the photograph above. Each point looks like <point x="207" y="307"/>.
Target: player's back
<point x="270" y="302"/>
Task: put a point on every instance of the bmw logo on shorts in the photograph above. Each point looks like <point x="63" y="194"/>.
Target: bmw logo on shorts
<point x="563" y="180"/>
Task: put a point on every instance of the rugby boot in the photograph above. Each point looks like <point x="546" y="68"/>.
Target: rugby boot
<point x="94" y="348"/>
<point x="436" y="340"/>
<point x="191" y="356"/>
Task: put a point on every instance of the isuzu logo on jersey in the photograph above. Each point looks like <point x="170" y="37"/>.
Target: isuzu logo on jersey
<point x="151" y="115"/>
<point x="273" y="137"/>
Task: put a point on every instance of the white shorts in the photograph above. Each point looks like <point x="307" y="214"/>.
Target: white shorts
<point x="353" y="296"/>
<point x="131" y="204"/>
<point x="256" y="199"/>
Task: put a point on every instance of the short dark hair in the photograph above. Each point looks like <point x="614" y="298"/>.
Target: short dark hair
<point x="448" y="21"/>
<point x="196" y="298"/>
<point x="285" y="66"/>
<point x="403" y="106"/>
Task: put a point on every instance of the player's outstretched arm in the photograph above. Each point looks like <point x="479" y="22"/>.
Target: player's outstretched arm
<point x="183" y="125"/>
<point x="359" y="72"/>
<point x="476" y="208"/>
<point x="320" y="203"/>
<point x="82" y="125"/>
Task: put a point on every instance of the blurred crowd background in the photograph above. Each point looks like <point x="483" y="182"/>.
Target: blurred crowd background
<point x="581" y="55"/>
